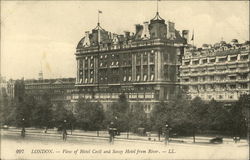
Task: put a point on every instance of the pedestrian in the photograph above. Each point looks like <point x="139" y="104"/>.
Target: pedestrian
<point x="23" y="132"/>
<point x="64" y="134"/>
<point x="64" y="130"/>
<point x="111" y="133"/>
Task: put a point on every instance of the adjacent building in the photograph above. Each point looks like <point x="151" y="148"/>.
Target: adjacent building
<point x="143" y="65"/>
<point x="60" y="89"/>
<point x="220" y="72"/>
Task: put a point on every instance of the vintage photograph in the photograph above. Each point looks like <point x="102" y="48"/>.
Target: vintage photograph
<point x="124" y="80"/>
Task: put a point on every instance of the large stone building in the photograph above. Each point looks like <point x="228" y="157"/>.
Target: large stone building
<point x="143" y="65"/>
<point x="219" y="72"/>
<point x="59" y="90"/>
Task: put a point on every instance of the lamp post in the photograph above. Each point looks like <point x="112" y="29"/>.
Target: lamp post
<point x="166" y="134"/>
<point x="23" y="128"/>
<point x="112" y="130"/>
<point x="64" y="130"/>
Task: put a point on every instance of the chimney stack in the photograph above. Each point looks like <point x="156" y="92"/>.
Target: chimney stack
<point x="138" y="27"/>
<point x="86" y="39"/>
<point x="185" y="34"/>
<point x="145" y="32"/>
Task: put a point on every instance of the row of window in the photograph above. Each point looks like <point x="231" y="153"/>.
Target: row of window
<point x="213" y="60"/>
<point x="117" y="79"/>
<point x="220" y="77"/>
<point x="218" y="87"/>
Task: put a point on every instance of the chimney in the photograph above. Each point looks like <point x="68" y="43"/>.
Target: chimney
<point x="138" y="27"/>
<point x="185" y="35"/>
<point x="127" y="33"/>
<point x="145" y="32"/>
<point x="86" y="39"/>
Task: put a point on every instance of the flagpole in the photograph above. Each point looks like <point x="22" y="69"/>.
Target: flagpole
<point x="157" y="5"/>
<point x="98" y="22"/>
<point x="193" y="38"/>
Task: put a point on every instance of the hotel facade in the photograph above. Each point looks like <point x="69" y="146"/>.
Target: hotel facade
<point x="143" y="65"/>
<point x="220" y="72"/>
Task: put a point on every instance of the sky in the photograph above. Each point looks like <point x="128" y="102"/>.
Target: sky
<point x="42" y="35"/>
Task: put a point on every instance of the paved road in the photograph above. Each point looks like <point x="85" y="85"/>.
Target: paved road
<point x="36" y="146"/>
<point x="103" y="134"/>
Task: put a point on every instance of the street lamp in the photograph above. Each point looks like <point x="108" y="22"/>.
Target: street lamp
<point x="23" y="129"/>
<point x="167" y="133"/>
<point x="64" y="130"/>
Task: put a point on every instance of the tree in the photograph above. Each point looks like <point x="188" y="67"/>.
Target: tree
<point x="119" y="113"/>
<point x="196" y="113"/>
<point x="60" y="113"/>
<point x="42" y="115"/>
<point x="138" y="118"/>
<point x="218" y="117"/>
<point x="244" y="102"/>
<point x="173" y="113"/>
<point x="240" y="115"/>
<point x="5" y="108"/>
<point x="89" y="115"/>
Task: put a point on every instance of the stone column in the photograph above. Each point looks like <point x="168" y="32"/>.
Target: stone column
<point x="156" y="66"/>
<point x="77" y="76"/>
<point x="83" y="72"/>
<point x="159" y="57"/>
<point x="88" y="69"/>
<point x="142" y="66"/>
<point x="133" y="67"/>
<point x="149" y="66"/>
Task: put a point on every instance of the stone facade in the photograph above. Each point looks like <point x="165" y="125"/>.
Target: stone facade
<point x="60" y="90"/>
<point x="220" y="71"/>
<point x="143" y="65"/>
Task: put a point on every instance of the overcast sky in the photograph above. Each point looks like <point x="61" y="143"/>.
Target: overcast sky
<point x="44" y="34"/>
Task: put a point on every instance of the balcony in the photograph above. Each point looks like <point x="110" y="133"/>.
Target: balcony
<point x="244" y="80"/>
<point x="242" y="70"/>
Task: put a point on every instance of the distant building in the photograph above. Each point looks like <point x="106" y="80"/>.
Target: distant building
<point x="60" y="90"/>
<point x="220" y="72"/>
<point x="3" y="86"/>
<point x="143" y="65"/>
<point x="11" y="88"/>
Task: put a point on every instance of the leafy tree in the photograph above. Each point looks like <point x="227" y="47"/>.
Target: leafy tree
<point x="218" y="116"/>
<point x="173" y="113"/>
<point x="196" y="115"/>
<point x="42" y="115"/>
<point x="5" y="109"/>
<point x="138" y="118"/>
<point x="89" y="115"/>
<point x="240" y="115"/>
<point x="60" y="113"/>
<point x="159" y="116"/>
<point x="119" y="112"/>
